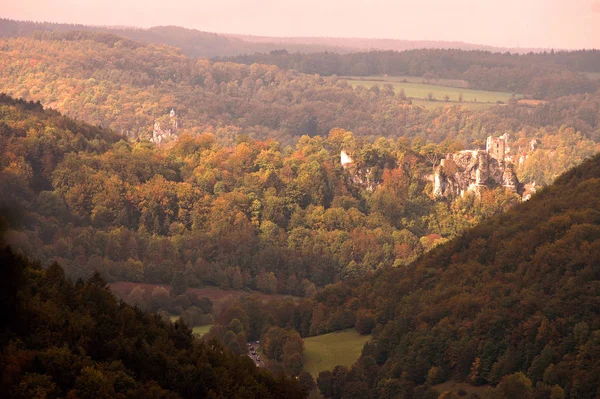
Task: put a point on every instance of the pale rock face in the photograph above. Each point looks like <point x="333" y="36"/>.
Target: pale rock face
<point x="161" y="135"/>
<point x="509" y="180"/>
<point x="470" y="171"/>
<point x="362" y="176"/>
<point x="533" y="145"/>
<point x="528" y="191"/>
<point x="345" y="159"/>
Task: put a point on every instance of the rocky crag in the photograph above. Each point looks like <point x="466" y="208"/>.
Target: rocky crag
<point x="359" y="176"/>
<point x="474" y="170"/>
<point x="165" y="129"/>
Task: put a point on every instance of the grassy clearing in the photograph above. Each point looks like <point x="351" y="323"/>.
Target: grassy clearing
<point x="326" y="351"/>
<point x="463" y="84"/>
<point x="201" y="330"/>
<point x="441" y="104"/>
<point x="198" y="330"/>
<point x="421" y="91"/>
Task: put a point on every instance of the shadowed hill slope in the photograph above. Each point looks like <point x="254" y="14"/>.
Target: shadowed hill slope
<point x="62" y="339"/>
<point x="193" y="42"/>
<point x="518" y="293"/>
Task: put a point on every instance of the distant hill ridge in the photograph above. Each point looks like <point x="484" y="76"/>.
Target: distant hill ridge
<point x="353" y="44"/>
<point x="196" y="43"/>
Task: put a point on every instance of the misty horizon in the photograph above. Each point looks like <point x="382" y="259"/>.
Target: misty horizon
<point x="554" y="24"/>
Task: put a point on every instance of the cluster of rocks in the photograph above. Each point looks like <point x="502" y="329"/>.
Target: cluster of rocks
<point x="473" y="170"/>
<point x="165" y="130"/>
<point x="362" y="177"/>
<point x="462" y="172"/>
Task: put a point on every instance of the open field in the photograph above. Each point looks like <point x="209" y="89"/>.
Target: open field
<point x="441" y="104"/>
<point x="421" y="91"/>
<point x="198" y="330"/>
<point x="201" y="330"/>
<point x="326" y="351"/>
<point x="463" y="84"/>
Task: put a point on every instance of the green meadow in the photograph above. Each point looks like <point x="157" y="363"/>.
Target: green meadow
<point x="412" y="79"/>
<point x="201" y="330"/>
<point x="326" y="351"/>
<point x="417" y="90"/>
<point x="440" y="104"/>
<point x="197" y="330"/>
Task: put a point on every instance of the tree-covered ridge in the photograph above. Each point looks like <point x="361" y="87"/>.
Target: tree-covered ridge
<point x="516" y="294"/>
<point x="65" y="339"/>
<point x="127" y="86"/>
<point x="192" y="42"/>
<point x="195" y="43"/>
<point x="254" y="215"/>
<point x="540" y="75"/>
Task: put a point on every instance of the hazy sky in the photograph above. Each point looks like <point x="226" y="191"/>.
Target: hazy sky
<point x="508" y="23"/>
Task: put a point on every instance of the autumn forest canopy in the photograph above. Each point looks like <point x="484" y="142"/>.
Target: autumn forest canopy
<point x="266" y="197"/>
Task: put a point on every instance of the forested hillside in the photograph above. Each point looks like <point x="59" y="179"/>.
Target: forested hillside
<point x="441" y="205"/>
<point x="251" y="215"/>
<point x="127" y="86"/>
<point x="192" y="42"/>
<point x="512" y="302"/>
<point x="195" y="43"/>
<point x="357" y="44"/>
<point x="539" y="75"/>
<point x="65" y="339"/>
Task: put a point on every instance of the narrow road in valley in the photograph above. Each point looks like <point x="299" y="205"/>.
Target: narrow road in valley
<point x="254" y="355"/>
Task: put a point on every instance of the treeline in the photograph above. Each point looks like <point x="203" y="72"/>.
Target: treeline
<point x="65" y="339"/>
<point x="539" y="75"/>
<point x="255" y="215"/>
<point x="510" y="304"/>
<point x="192" y="42"/>
<point x="275" y="324"/>
<point x="126" y="86"/>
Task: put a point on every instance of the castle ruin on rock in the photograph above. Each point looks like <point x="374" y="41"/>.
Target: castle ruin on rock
<point x="472" y="170"/>
<point x="165" y="129"/>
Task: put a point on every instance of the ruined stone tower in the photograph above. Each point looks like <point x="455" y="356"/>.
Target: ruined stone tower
<point x="496" y="147"/>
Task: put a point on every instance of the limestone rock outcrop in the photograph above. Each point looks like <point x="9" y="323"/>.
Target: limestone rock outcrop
<point x="359" y="176"/>
<point x="473" y="170"/>
<point x="165" y="129"/>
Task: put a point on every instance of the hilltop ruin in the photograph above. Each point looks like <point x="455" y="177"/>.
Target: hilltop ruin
<point x="472" y="170"/>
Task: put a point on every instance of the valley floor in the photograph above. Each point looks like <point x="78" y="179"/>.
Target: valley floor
<point x="216" y="295"/>
<point x="326" y="351"/>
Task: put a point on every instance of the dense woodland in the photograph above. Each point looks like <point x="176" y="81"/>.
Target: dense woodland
<point x="192" y="42"/>
<point x="252" y="196"/>
<point x="75" y="340"/>
<point x="253" y="215"/>
<point x="127" y="86"/>
<point x="539" y="75"/>
<point x="512" y="302"/>
<point x="196" y="43"/>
